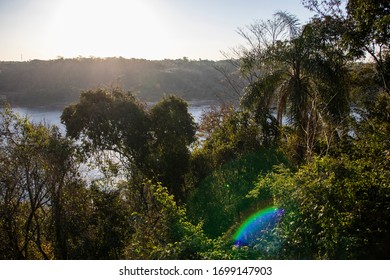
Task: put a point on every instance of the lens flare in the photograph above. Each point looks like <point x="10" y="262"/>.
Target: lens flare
<point x="256" y="225"/>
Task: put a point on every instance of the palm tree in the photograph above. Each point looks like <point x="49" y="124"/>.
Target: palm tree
<point x="301" y="73"/>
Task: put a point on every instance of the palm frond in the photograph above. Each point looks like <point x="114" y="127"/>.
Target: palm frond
<point x="262" y="92"/>
<point x="299" y="94"/>
<point x="290" y="22"/>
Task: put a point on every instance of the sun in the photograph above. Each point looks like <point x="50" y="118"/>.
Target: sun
<point x="104" y="28"/>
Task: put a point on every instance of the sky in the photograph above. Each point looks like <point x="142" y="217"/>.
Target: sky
<point x="150" y="29"/>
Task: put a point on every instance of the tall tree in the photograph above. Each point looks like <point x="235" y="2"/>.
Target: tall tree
<point x="36" y="168"/>
<point x="114" y="121"/>
<point x="366" y="28"/>
<point x="303" y="74"/>
<point x="173" y="132"/>
<point x="151" y="143"/>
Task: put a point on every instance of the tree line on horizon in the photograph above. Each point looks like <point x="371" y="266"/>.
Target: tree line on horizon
<point x="308" y="134"/>
<point x="59" y="82"/>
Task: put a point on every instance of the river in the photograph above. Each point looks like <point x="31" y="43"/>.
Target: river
<point x="52" y="116"/>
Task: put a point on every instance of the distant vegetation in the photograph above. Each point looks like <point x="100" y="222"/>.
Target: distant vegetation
<point x="59" y="82"/>
<point x="308" y="140"/>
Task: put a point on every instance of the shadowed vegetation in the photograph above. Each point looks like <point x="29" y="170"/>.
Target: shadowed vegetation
<point x="307" y="136"/>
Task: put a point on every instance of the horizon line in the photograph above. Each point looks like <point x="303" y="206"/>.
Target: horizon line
<point x="80" y="57"/>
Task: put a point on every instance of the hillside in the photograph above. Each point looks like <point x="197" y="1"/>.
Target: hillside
<point x="59" y="82"/>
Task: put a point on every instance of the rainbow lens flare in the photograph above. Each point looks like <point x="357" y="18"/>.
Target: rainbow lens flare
<point x="257" y="225"/>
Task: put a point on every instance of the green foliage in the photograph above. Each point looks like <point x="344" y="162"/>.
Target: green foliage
<point x="173" y="131"/>
<point x="224" y="167"/>
<point x="151" y="143"/>
<point x="219" y="199"/>
<point x="109" y="225"/>
<point x="36" y="167"/>
<point x="162" y="229"/>
<point x="369" y="23"/>
<point x="303" y="75"/>
<point x="337" y="207"/>
<point x="113" y="120"/>
<point x="163" y="197"/>
<point x="223" y="249"/>
<point x="368" y="32"/>
<point x="236" y="135"/>
<point x="362" y="27"/>
<point x="46" y="210"/>
<point x="365" y="84"/>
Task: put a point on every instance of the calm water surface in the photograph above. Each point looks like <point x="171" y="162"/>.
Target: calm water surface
<point x="52" y="116"/>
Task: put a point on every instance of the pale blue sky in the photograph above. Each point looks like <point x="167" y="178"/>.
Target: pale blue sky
<point x="151" y="29"/>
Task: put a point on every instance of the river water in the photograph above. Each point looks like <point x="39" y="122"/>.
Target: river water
<point x="52" y="116"/>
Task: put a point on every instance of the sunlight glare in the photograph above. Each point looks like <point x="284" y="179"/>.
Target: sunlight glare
<point x="104" y="28"/>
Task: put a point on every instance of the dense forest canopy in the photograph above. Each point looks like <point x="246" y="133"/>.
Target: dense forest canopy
<point x="297" y="168"/>
<point x="59" y="82"/>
